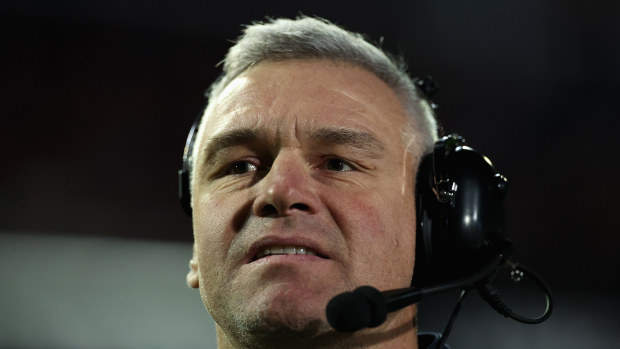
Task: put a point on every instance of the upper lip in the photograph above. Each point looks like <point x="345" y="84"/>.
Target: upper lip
<point x="269" y="241"/>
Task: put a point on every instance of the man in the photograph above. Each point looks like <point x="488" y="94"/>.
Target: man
<point x="302" y="181"/>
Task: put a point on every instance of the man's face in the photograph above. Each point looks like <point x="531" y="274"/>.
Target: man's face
<point x="303" y="189"/>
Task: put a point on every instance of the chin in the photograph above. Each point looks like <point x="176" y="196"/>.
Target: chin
<point x="292" y="313"/>
<point x="277" y="328"/>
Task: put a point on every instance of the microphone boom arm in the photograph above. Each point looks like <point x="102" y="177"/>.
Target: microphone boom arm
<point x="400" y="298"/>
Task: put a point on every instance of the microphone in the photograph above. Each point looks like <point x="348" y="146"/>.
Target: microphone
<point x="352" y="311"/>
<point x="368" y="307"/>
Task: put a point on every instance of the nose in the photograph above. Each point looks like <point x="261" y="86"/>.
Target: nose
<point x="287" y="189"/>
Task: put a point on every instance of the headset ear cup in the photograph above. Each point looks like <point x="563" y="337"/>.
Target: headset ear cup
<point x="184" y="193"/>
<point x="425" y="200"/>
<point x="459" y="232"/>
<point x="184" y="173"/>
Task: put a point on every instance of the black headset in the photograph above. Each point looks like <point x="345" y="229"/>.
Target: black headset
<point x="459" y="202"/>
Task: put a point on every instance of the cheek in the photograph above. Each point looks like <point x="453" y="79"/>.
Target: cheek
<point x="380" y="236"/>
<point x="212" y="233"/>
<point x="389" y="221"/>
<point x="213" y="237"/>
<point x="402" y="223"/>
<point x="213" y="214"/>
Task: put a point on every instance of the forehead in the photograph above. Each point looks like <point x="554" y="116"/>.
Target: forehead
<point x="276" y="96"/>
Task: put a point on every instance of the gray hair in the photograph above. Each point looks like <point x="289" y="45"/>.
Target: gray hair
<point x="315" y="38"/>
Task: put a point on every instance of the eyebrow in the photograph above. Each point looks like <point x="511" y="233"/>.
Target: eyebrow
<point x="359" y="139"/>
<point x="228" y="139"/>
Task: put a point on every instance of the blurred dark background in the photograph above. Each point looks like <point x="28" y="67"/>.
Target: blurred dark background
<point x="96" y="99"/>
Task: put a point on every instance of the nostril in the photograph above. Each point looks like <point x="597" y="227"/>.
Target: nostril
<point x="300" y="206"/>
<point x="269" y="210"/>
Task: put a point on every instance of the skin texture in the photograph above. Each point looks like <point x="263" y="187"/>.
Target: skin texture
<point x="302" y="153"/>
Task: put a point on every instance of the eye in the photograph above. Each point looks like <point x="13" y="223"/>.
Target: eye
<point x="241" y="167"/>
<point x="338" y="165"/>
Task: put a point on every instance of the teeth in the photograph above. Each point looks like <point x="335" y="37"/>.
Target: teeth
<point x="274" y="250"/>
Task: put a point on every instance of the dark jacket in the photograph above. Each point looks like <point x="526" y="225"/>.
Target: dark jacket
<point x="429" y="340"/>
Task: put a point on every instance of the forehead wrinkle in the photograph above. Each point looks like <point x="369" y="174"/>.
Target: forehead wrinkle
<point x="348" y="96"/>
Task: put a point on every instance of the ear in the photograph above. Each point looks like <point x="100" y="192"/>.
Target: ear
<point x="192" y="275"/>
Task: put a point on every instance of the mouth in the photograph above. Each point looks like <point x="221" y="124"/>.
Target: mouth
<point x="285" y="250"/>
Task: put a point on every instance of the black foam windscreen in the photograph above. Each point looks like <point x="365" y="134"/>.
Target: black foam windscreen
<point x="352" y="311"/>
<point x="348" y="312"/>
